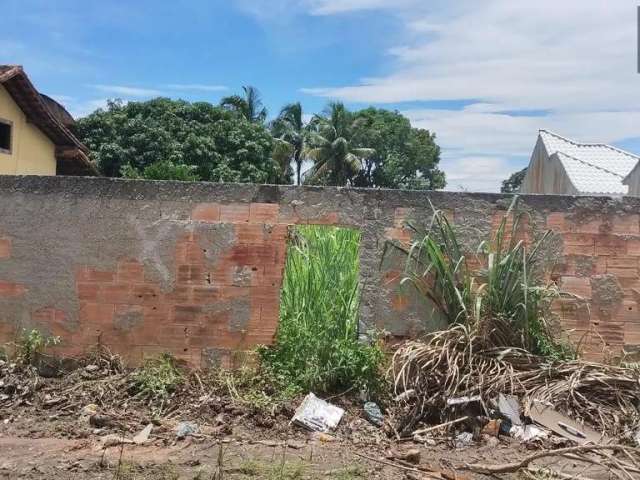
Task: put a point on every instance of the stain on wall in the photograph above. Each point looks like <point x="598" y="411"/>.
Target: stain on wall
<point x="196" y="268"/>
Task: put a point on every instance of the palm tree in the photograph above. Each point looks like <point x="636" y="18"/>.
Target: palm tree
<point x="289" y="129"/>
<point x="249" y="106"/>
<point x="336" y="159"/>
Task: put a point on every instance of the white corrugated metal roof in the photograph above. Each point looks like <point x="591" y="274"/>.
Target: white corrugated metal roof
<point x="593" y="168"/>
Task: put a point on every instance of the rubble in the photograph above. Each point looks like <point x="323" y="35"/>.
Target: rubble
<point x="184" y="429"/>
<point x="464" y="439"/>
<point x="373" y="413"/>
<point x="143" y="435"/>
<point x="411" y="455"/>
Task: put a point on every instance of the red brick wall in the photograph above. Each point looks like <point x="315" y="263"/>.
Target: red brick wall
<point x="188" y="319"/>
<point x="596" y="272"/>
<point x="77" y="258"/>
<point x="127" y="311"/>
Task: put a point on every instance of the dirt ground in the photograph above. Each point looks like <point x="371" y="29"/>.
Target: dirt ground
<point x="81" y="426"/>
<point x="35" y="447"/>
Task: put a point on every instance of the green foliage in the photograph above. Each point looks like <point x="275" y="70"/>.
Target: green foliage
<point x="249" y="106"/>
<point x="290" y="134"/>
<point x="337" y="159"/>
<point x="31" y="343"/>
<point x="404" y="157"/>
<point x="158" y="377"/>
<point x="162" y="170"/>
<point x="274" y="470"/>
<point x="514" y="182"/>
<point x="262" y="390"/>
<point x="165" y="138"/>
<point x="503" y="302"/>
<point x="317" y="346"/>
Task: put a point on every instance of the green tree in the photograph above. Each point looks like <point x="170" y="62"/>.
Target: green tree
<point x="174" y="139"/>
<point x="289" y="129"/>
<point x="337" y="159"/>
<point x="514" y="182"/>
<point x="405" y="157"/>
<point x="249" y="106"/>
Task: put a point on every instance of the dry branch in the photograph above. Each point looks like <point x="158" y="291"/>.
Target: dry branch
<point x="489" y="469"/>
<point x="456" y="362"/>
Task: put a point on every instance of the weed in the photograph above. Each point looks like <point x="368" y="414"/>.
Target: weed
<point x="250" y="468"/>
<point x="503" y="302"/>
<point x="261" y="390"/>
<point x="134" y="471"/>
<point x="288" y="470"/>
<point x="349" y="473"/>
<point x="158" y="377"/>
<point x="317" y="345"/>
<point x="32" y="343"/>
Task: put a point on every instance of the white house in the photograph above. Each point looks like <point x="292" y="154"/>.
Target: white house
<point x="562" y="166"/>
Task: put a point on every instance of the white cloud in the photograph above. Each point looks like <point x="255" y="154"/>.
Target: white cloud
<point x="128" y="91"/>
<point x="197" y="87"/>
<point x="329" y="7"/>
<point x="574" y="60"/>
<point x="470" y="132"/>
<point x="282" y="10"/>
<point x="483" y="174"/>
<point x="79" y="109"/>
<point x="62" y="99"/>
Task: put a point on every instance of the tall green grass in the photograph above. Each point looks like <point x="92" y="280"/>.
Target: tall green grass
<point x="505" y="303"/>
<point x="317" y="346"/>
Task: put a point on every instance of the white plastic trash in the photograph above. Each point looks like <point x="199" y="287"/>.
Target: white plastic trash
<point x="317" y="415"/>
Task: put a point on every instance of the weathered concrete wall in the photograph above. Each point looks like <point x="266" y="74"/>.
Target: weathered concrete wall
<point x="196" y="268"/>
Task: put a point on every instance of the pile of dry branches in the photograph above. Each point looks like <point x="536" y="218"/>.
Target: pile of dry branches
<point x="456" y="363"/>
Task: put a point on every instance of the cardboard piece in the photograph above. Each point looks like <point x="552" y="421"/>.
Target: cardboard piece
<point x="562" y="425"/>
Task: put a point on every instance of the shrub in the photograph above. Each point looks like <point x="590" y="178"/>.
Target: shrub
<point x="31" y="343"/>
<point x="317" y="345"/>
<point x="504" y="302"/>
<point x="158" y="377"/>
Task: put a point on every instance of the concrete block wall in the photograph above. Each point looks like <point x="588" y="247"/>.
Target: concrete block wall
<point x="195" y="269"/>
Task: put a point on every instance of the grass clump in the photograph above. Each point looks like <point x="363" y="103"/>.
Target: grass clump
<point x="504" y="302"/>
<point x="32" y="343"/>
<point x="317" y="346"/>
<point x="279" y="470"/>
<point x="158" y="377"/>
<point x="262" y="391"/>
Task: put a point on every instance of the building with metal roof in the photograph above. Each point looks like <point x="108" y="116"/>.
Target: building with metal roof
<point x="562" y="166"/>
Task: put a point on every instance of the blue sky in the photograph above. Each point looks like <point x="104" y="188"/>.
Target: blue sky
<point x="483" y="79"/>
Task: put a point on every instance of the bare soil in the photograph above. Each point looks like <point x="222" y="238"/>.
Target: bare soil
<point x="32" y="450"/>
<point x="71" y="428"/>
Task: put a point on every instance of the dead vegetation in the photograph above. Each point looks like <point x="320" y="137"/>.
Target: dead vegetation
<point x="455" y="363"/>
<point x="499" y="341"/>
<point x="161" y="388"/>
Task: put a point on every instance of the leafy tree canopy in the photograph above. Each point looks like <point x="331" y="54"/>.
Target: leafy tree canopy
<point x="178" y="140"/>
<point x="514" y="182"/>
<point x="174" y="139"/>
<point x="404" y="157"/>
